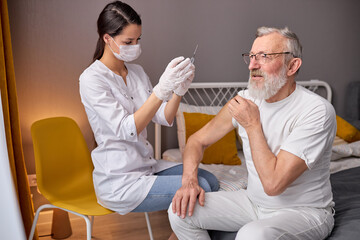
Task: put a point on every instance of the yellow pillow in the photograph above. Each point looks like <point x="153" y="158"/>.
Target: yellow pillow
<point x="346" y="131"/>
<point x="223" y="151"/>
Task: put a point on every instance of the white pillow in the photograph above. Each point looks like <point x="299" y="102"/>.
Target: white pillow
<point x="339" y="141"/>
<point x="180" y="121"/>
<point x="345" y="150"/>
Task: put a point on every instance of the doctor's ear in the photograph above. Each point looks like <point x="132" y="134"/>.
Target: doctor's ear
<point x="106" y="38"/>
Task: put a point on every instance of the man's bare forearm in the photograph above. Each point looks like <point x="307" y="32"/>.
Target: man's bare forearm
<point x="264" y="160"/>
<point x="192" y="157"/>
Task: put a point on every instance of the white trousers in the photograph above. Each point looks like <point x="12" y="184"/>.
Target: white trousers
<point x="233" y="211"/>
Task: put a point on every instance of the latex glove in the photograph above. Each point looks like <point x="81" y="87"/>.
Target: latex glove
<point x="176" y="72"/>
<point x="184" y="86"/>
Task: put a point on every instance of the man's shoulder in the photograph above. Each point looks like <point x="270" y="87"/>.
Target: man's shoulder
<point x="245" y="94"/>
<point x="315" y="106"/>
<point x="311" y="98"/>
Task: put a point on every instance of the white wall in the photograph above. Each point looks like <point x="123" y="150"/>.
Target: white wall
<point x="53" y="42"/>
<point x="11" y="225"/>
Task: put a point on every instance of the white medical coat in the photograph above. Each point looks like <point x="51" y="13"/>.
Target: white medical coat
<point x="123" y="160"/>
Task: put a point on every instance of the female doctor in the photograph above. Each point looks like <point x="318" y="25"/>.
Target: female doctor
<point x="120" y="102"/>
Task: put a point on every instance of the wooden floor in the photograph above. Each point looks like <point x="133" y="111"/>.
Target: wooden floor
<point x="110" y="227"/>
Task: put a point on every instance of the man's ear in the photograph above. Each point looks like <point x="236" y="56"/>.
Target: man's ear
<point x="106" y="38"/>
<point x="293" y="66"/>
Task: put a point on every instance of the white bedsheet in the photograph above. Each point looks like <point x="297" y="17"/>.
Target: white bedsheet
<point x="234" y="177"/>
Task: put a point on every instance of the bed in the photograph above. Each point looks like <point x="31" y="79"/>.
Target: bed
<point x="208" y="98"/>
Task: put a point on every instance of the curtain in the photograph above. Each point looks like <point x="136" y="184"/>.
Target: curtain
<point x="11" y="120"/>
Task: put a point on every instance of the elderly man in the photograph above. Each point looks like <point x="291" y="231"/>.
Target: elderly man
<point x="287" y="133"/>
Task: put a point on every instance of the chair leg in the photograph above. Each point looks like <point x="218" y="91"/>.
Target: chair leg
<point x="92" y="223"/>
<point x="149" y="226"/>
<point x="86" y="218"/>
<point x="88" y="226"/>
<point x="87" y="221"/>
<point x="31" y="235"/>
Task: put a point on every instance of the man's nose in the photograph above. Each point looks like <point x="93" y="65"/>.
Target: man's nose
<point x="254" y="64"/>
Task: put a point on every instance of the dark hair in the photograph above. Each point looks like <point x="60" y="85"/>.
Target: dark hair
<point x="112" y="20"/>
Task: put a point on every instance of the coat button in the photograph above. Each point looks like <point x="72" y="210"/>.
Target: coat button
<point x="131" y="98"/>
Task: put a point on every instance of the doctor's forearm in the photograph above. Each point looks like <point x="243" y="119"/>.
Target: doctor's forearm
<point x="171" y="108"/>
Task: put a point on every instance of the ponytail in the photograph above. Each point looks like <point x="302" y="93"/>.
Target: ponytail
<point x="99" y="51"/>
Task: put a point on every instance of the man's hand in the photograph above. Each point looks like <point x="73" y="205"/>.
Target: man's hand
<point x="186" y="197"/>
<point x="245" y="112"/>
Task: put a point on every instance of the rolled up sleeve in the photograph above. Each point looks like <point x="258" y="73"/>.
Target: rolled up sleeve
<point x="159" y="117"/>
<point x="128" y="129"/>
<point x="107" y="110"/>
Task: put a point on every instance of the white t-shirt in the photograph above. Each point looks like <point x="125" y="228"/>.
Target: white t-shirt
<point x="123" y="160"/>
<point x="303" y="124"/>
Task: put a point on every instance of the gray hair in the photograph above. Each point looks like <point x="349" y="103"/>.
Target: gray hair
<point x="293" y="43"/>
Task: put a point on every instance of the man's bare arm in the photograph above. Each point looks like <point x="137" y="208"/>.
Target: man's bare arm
<point x="187" y="195"/>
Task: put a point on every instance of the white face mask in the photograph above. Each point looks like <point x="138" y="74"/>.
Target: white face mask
<point x="127" y="53"/>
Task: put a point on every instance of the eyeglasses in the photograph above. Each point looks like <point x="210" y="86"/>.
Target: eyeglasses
<point x="262" y="58"/>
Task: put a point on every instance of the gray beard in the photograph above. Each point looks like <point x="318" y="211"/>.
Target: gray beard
<point x="272" y="84"/>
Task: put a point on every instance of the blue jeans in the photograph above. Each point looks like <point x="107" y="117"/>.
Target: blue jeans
<point x="167" y="183"/>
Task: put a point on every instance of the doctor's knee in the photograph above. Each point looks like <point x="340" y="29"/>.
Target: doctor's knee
<point x="204" y="184"/>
